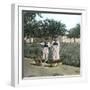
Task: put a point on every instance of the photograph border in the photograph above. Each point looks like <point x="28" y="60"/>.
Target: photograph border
<point x="16" y="43"/>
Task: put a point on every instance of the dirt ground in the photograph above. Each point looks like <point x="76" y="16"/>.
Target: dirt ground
<point x="33" y="70"/>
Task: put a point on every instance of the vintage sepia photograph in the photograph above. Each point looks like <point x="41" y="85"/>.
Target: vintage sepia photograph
<point x="51" y="43"/>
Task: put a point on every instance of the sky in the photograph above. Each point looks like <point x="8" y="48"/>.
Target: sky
<point x="69" y="20"/>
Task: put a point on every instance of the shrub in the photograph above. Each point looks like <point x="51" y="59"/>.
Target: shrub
<point x="32" y="51"/>
<point x="70" y="54"/>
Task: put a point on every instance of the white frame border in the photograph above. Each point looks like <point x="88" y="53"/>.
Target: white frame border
<point x="16" y="41"/>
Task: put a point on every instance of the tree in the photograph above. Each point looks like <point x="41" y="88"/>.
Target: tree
<point x="74" y="32"/>
<point x="44" y="28"/>
<point x="30" y="24"/>
<point x="52" y="28"/>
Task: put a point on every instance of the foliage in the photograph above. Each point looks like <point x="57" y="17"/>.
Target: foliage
<point x="42" y="28"/>
<point x="74" y="32"/>
<point x="32" y="50"/>
<point x="52" y="28"/>
<point x="30" y="24"/>
<point x="70" y="54"/>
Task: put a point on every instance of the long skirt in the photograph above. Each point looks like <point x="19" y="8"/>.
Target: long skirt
<point x="45" y="53"/>
<point x="55" y="53"/>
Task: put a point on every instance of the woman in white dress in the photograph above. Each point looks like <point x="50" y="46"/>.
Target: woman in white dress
<point x="55" y="50"/>
<point x="45" y="50"/>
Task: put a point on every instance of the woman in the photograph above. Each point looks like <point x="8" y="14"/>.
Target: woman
<point x="55" y="50"/>
<point x="45" y="51"/>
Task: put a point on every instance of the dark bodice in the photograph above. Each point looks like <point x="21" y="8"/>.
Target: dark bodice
<point x="45" y="45"/>
<point x="55" y="43"/>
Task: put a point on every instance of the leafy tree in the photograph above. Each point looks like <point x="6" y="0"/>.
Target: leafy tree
<point x="44" y="28"/>
<point x="74" y="32"/>
<point x="30" y="24"/>
<point x="52" y="28"/>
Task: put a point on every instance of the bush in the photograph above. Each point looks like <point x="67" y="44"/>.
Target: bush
<point x="32" y="50"/>
<point x="70" y="54"/>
